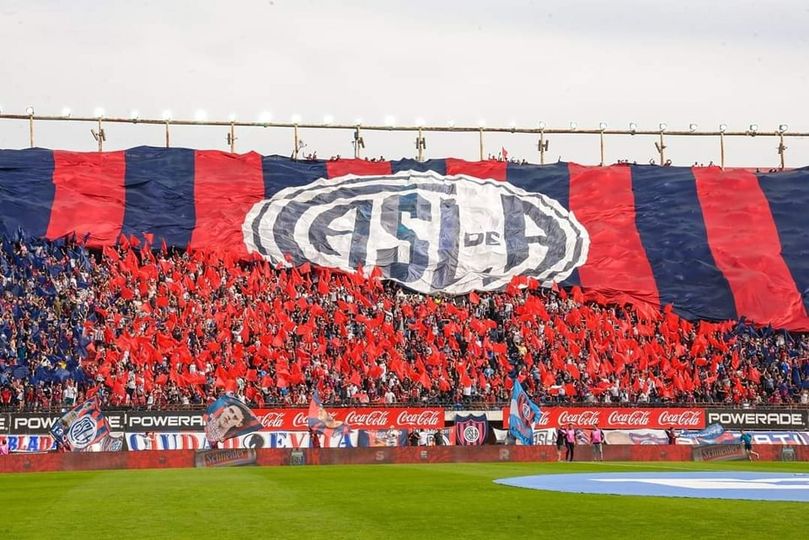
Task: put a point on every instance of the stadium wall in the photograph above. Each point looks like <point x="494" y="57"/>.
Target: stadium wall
<point x="363" y="456"/>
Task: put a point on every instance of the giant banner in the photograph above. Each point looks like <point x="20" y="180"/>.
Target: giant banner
<point x="618" y="417"/>
<point x="359" y="418"/>
<point x="760" y="419"/>
<point x="715" y="243"/>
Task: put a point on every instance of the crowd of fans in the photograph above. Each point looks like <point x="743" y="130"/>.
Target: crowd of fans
<point x="150" y="328"/>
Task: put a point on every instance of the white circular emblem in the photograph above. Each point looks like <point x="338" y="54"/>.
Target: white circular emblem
<point x="471" y="434"/>
<point x="429" y="232"/>
<point x="82" y="432"/>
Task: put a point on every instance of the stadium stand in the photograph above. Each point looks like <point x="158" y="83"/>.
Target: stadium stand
<point x="148" y="327"/>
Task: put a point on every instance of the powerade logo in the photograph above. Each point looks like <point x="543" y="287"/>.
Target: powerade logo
<point x="757" y="419"/>
<point x="427" y="231"/>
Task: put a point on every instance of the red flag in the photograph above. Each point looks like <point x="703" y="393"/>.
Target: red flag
<point x="474" y="298"/>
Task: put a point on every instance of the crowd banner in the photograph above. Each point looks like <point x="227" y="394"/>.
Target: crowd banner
<point x="81" y="427"/>
<point x="760" y="419"/>
<point x="651" y="235"/>
<point x="718" y="452"/>
<point x="361" y="418"/>
<point x="471" y="430"/>
<point x="618" y="417"/>
<point x="227" y="417"/>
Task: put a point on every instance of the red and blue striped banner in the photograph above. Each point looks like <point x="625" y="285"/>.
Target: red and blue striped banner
<point x="716" y="244"/>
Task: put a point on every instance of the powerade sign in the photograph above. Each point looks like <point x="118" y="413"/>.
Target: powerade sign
<point x="159" y="421"/>
<point x="759" y="419"/>
<point x="426" y="231"/>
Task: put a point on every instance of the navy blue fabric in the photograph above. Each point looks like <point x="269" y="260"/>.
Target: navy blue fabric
<point x="669" y="219"/>
<point x="551" y="180"/>
<point x="437" y="165"/>
<point x="160" y="194"/>
<point x="26" y="191"/>
<point x="281" y="172"/>
<point x="787" y="194"/>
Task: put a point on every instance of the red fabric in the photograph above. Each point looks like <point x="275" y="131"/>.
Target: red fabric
<point x="745" y="244"/>
<point x="478" y="169"/>
<point x="226" y="186"/>
<point x="89" y="196"/>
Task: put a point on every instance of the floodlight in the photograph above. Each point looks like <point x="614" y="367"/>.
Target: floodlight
<point x="753" y="128"/>
<point x="390" y="120"/>
<point x="723" y="128"/>
<point x="134" y="114"/>
<point x="692" y="128"/>
<point x="782" y="128"/>
<point x="200" y="115"/>
<point x="166" y="115"/>
<point x="541" y="125"/>
<point x="66" y="112"/>
<point x="633" y="127"/>
<point x="602" y="126"/>
<point x="296" y="118"/>
<point x="328" y="119"/>
<point x="98" y="112"/>
<point x="573" y="125"/>
<point x="29" y="111"/>
<point x="663" y="126"/>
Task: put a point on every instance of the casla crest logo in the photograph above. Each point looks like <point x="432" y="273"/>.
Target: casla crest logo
<point x="429" y="232"/>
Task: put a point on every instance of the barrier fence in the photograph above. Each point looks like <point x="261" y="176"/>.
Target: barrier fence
<point x="358" y="128"/>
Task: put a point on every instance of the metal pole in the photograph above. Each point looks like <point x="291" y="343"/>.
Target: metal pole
<point x="662" y="149"/>
<point x="31" y="130"/>
<point x="601" y="137"/>
<point x="168" y="139"/>
<point x="481" y="144"/>
<point x="295" y="148"/>
<point x="100" y="136"/>
<point x="232" y="138"/>
<point x="721" y="150"/>
<point x="542" y="147"/>
<point x="420" y="146"/>
<point x="781" y="149"/>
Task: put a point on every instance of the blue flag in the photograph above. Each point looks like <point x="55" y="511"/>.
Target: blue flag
<point x="522" y="415"/>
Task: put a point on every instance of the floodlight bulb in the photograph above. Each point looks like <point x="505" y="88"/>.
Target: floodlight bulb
<point x="98" y="112"/>
<point x="420" y="122"/>
<point x="296" y="119"/>
<point x="358" y="121"/>
<point x="265" y="117"/>
<point x="783" y="128"/>
<point x="232" y="117"/>
<point x="66" y="112"/>
<point x="753" y="127"/>
<point x="1" y="109"/>
<point x="663" y="126"/>
<point x="723" y="128"/>
<point x="692" y="128"/>
<point x="390" y="121"/>
<point x="633" y="126"/>
<point x="29" y="111"/>
<point x="134" y="114"/>
<point x="200" y="115"/>
<point x="541" y="125"/>
<point x="166" y="115"/>
<point x="573" y="125"/>
<point x="328" y="119"/>
<point x="451" y="123"/>
<point x="512" y="124"/>
<point x="481" y="123"/>
<point x="602" y="126"/>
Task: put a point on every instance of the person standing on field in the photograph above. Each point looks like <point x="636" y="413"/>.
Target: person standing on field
<point x="560" y="442"/>
<point x="597" y="439"/>
<point x="570" y="442"/>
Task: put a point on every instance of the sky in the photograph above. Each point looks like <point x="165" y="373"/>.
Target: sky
<point x="735" y="62"/>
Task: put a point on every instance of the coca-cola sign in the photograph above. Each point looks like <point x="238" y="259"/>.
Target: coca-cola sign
<point x="618" y="418"/>
<point x="365" y="418"/>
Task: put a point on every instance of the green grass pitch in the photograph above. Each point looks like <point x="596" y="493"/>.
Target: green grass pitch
<point x="375" y="501"/>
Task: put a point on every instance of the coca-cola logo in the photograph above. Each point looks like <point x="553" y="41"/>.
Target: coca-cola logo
<point x="680" y="419"/>
<point x="273" y="419"/>
<point x="372" y="418"/>
<point x="584" y="418"/>
<point x="424" y="419"/>
<point x="634" y="418"/>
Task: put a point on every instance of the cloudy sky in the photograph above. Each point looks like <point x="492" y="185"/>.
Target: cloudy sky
<point x="726" y="61"/>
